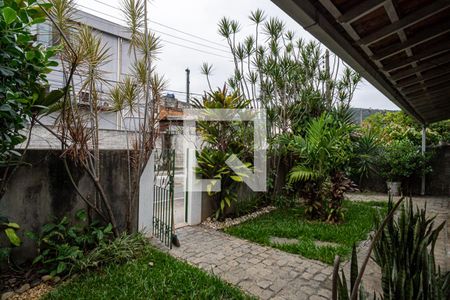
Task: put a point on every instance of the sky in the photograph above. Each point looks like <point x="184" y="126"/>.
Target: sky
<point x="188" y="30"/>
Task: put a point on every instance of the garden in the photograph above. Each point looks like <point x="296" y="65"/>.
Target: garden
<point x="317" y="155"/>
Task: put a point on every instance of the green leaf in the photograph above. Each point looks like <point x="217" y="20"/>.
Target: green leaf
<point x="61" y="267"/>
<point x="39" y="20"/>
<point x="12" y="236"/>
<point x="9" y="15"/>
<point x="37" y="259"/>
<point x="29" y="55"/>
<point x="237" y="178"/>
<point x="31" y="235"/>
<point x="13" y="225"/>
<point x="81" y="215"/>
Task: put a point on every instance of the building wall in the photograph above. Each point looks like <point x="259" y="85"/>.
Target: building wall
<point x="41" y="190"/>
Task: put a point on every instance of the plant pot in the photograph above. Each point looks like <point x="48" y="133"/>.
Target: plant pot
<point x="394" y="187"/>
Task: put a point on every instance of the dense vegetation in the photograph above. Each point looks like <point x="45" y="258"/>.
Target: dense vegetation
<point x="23" y="68"/>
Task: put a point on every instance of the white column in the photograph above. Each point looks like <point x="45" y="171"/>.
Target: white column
<point x="145" y="210"/>
<point x="193" y="199"/>
<point x="424" y="148"/>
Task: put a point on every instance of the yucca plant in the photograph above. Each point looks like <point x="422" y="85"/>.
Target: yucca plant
<point x="405" y="253"/>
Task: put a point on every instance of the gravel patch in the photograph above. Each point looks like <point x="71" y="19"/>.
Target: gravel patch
<point x="34" y="293"/>
<point x="218" y="225"/>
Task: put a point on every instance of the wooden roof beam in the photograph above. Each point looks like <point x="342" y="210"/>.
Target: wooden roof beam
<point x="427" y="53"/>
<point x="407" y="21"/>
<point x="432" y="63"/>
<point x="443" y="90"/>
<point x="359" y="10"/>
<point x="426" y="85"/>
<point x="439" y="103"/>
<point x="414" y="81"/>
<point x="424" y="36"/>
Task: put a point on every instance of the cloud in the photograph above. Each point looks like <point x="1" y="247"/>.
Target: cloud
<point x="200" y="18"/>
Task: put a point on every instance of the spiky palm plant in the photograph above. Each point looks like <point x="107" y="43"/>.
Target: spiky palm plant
<point x="320" y="155"/>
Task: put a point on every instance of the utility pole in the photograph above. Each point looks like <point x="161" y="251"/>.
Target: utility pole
<point x="188" y="82"/>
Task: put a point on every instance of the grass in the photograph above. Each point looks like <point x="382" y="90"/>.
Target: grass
<point x="291" y="223"/>
<point x="167" y="278"/>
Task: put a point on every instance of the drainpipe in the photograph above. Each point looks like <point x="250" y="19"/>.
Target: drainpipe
<point x="424" y="148"/>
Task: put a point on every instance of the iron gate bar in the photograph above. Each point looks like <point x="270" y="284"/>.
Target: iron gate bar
<point x="163" y="195"/>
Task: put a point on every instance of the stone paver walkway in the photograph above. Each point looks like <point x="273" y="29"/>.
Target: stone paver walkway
<point x="268" y="273"/>
<point x="260" y="271"/>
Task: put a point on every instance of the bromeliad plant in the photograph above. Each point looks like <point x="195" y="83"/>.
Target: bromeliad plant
<point x="222" y="139"/>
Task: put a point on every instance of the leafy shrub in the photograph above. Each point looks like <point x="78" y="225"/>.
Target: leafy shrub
<point x="392" y="126"/>
<point x="339" y="288"/>
<point x="9" y="229"/>
<point x="365" y="155"/>
<point x="62" y="244"/>
<point x="285" y="201"/>
<point x="118" y="251"/>
<point x="401" y="159"/>
<point x="248" y="204"/>
<point x="405" y="253"/>
<point x="23" y="68"/>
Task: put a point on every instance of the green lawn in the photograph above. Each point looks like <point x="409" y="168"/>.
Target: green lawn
<point x="168" y="278"/>
<point x="291" y="223"/>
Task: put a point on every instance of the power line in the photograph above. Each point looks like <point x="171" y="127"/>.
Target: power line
<point x="183" y="39"/>
<point x="115" y="81"/>
<point x="196" y="49"/>
<point x="180" y="92"/>
<point x="169" y="27"/>
<point x="169" y="42"/>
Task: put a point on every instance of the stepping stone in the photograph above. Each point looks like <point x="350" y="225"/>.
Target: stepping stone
<point x="282" y="241"/>
<point x="326" y="244"/>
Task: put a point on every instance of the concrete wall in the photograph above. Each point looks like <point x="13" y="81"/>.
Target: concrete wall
<point x="41" y="190"/>
<point x="438" y="182"/>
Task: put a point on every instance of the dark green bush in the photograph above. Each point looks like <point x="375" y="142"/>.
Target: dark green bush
<point x="118" y="251"/>
<point x="23" y="68"/>
<point x="62" y="244"/>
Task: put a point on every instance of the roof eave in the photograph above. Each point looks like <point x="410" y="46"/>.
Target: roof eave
<point x="315" y="23"/>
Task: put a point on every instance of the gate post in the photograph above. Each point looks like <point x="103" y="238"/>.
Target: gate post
<point x="193" y="198"/>
<point x="146" y="182"/>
